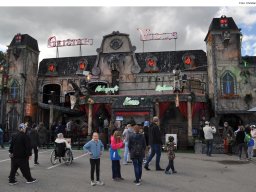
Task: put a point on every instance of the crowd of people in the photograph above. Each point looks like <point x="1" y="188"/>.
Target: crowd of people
<point x="140" y="146"/>
<point x="135" y="143"/>
<point x="242" y="139"/>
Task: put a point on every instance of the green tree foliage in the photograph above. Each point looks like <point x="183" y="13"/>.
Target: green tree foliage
<point x="2" y="58"/>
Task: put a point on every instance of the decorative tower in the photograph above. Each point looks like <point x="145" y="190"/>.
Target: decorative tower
<point x="20" y="96"/>
<point x="223" y="47"/>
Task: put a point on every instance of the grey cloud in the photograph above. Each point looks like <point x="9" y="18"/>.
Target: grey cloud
<point x="94" y="22"/>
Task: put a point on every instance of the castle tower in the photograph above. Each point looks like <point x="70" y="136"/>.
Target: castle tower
<point x="226" y="87"/>
<point x="20" y="95"/>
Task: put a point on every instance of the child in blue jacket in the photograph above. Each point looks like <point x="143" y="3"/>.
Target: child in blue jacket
<point x="95" y="149"/>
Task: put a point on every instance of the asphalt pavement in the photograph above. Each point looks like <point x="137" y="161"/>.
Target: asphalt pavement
<point x="196" y="173"/>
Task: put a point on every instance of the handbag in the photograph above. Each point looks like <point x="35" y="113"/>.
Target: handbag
<point x="114" y="155"/>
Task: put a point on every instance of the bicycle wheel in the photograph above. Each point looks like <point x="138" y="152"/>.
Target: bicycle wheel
<point x="53" y="157"/>
<point x="68" y="157"/>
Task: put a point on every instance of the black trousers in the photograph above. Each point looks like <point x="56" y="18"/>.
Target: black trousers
<point x="23" y="164"/>
<point x="95" y="163"/>
<point x="116" y="169"/>
<point x="35" y="154"/>
<point x="170" y="165"/>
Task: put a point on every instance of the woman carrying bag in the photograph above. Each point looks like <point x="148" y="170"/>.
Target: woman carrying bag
<point x="115" y="151"/>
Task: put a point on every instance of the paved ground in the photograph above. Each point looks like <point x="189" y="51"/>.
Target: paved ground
<point x="196" y="173"/>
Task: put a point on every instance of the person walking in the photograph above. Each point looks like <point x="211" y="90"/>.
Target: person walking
<point x="34" y="138"/>
<point x="145" y="130"/>
<point x="95" y="149"/>
<point x="137" y="147"/>
<point x="155" y="142"/>
<point x="42" y="132"/>
<point x="1" y="137"/>
<point x="171" y="146"/>
<point x="20" y="152"/>
<point x="240" y="135"/>
<point x="116" y="145"/>
<point x="253" y="133"/>
<point x="126" y="134"/>
<point x="249" y="142"/>
<point x="228" y="135"/>
<point x="208" y="135"/>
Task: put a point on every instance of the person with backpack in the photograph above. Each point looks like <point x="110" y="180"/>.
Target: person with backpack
<point x="137" y="147"/>
<point x="240" y="135"/>
<point x="250" y="143"/>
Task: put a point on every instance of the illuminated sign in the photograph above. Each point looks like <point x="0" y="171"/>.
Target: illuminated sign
<point x="53" y="42"/>
<point x="145" y="35"/>
<point x="100" y="88"/>
<point x="164" y="88"/>
<point x="130" y="101"/>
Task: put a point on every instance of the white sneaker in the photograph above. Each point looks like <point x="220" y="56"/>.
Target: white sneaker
<point x="31" y="181"/>
<point x="99" y="183"/>
<point x="93" y="183"/>
<point x="138" y="184"/>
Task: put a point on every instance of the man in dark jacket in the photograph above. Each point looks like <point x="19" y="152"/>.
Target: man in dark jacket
<point x="137" y="146"/>
<point x="240" y="142"/>
<point x="155" y="142"/>
<point x="34" y="138"/>
<point x="20" y="152"/>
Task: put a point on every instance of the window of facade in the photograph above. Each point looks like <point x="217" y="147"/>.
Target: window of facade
<point x="228" y="83"/>
<point x="14" y="92"/>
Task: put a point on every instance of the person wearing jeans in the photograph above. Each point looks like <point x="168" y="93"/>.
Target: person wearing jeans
<point x="209" y="144"/>
<point x="155" y="150"/>
<point x="240" y="142"/>
<point x="155" y="141"/>
<point x="137" y="146"/>
<point x="208" y="135"/>
<point x="126" y="134"/>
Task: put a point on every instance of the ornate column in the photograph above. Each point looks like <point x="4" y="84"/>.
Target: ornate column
<point x="157" y="109"/>
<point x="90" y="102"/>
<point x="189" y="108"/>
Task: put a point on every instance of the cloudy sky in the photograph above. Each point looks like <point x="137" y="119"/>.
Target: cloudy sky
<point x="191" y="24"/>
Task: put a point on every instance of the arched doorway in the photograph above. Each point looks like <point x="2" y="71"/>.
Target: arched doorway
<point x="51" y="92"/>
<point x="232" y="119"/>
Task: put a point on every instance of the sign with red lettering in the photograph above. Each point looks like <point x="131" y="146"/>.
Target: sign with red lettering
<point x="146" y="35"/>
<point x="53" y="42"/>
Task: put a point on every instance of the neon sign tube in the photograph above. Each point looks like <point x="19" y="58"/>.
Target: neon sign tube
<point x="53" y="42"/>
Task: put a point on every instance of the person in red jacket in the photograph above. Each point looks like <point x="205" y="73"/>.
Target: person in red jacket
<point x="116" y="144"/>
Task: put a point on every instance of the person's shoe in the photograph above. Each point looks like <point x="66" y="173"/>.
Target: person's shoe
<point x="31" y="181"/>
<point x="125" y="163"/>
<point x="138" y="183"/>
<point x="159" y="169"/>
<point x="174" y="171"/>
<point x="120" y="178"/>
<point x="99" y="183"/>
<point x="36" y="163"/>
<point x="129" y="161"/>
<point x="13" y="182"/>
<point x="146" y="167"/>
<point x="115" y="179"/>
<point x="93" y="183"/>
<point x="167" y="172"/>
